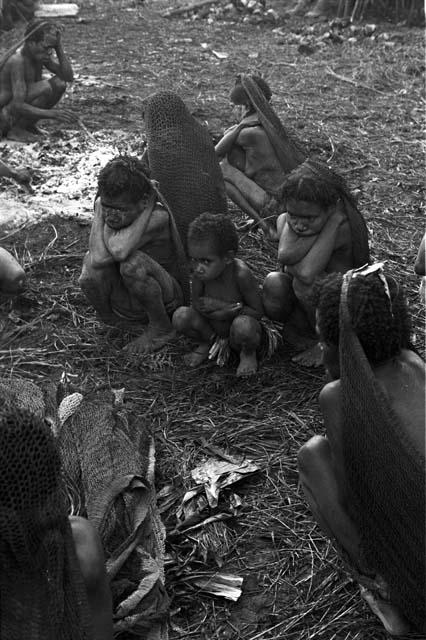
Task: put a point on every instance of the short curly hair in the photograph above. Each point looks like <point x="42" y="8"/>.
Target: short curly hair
<point x="383" y="326"/>
<point x="215" y="228"/>
<point x="37" y="28"/>
<point x="124" y="175"/>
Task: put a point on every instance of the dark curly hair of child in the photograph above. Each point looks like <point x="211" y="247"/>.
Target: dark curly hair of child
<point x="315" y="182"/>
<point x="383" y="326"/>
<point x="216" y="229"/>
<point x="261" y="83"/>
<point x="124" y="175"/>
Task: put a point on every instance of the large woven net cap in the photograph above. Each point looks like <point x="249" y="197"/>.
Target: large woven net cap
<point x="182" y="160"/>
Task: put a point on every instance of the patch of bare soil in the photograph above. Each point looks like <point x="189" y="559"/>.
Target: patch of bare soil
<point x="356" y="101"/>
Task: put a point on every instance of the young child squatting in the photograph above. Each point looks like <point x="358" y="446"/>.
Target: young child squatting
<point x="226" y="301"/>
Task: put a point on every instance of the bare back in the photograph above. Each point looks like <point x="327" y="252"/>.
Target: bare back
<point x="403" y="383"/>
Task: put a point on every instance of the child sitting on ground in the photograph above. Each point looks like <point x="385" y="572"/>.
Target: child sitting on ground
<point x="226" y="305"/>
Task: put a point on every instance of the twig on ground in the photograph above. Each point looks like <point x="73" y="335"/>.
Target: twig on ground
<point x="330" y="72"/>
<point x="190" y="7"/>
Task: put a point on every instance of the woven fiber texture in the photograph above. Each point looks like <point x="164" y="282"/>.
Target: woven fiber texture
<point x="288" y="151"/>
<point x="109" y="464"/>
<point x="42" y="593"/>
<point x="182" y="160"/>
<point x="386" y="476"/>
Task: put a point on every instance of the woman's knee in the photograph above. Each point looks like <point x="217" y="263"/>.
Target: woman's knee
<point x="312" y="455"/>
<point x="277" y="285"/>
<point x="278" y="296"/>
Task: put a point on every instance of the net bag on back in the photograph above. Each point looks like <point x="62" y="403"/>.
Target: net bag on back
<point x="288" y="151"/>
<point x="386" y="476"/>
<point x="42" y="593"/>
<point x="182" y="160"/>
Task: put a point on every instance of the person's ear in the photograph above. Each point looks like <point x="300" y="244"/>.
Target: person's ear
<point x="229" y="256"/>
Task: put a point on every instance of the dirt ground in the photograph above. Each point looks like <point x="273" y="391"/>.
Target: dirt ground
<point x="351" y="98"/>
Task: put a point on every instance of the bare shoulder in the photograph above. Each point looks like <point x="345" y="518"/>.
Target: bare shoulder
<point x="15" y="64"/>
<point x="252" y="135"/>
<point x="330" y="401"/>
<point x="16" y="59"/>
<point x="159" y="218"/>
<point x="403" y="382"/>
<point x="330" y="395"/>
<point x="407" y="368"/>
<point x="411" y="359"/>
<point x="243" y="273"/>
<point x="89" y="550"/>
<point x="344" y="236"/>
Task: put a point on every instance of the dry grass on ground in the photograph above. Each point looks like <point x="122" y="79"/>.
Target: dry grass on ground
<point x="369" y="129"/>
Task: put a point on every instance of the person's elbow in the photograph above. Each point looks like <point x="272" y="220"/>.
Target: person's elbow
<point x="66" y="75"/>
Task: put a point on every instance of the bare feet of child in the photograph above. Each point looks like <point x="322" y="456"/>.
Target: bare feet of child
<point x="310" y="358"/>
<point x="150" y="341"/>
<point x="248" y="364"/>
<point x="199" y="355"/>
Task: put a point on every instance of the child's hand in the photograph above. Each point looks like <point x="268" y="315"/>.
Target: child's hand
<point x="206" y="305"/>
<point x="229" y="312"/>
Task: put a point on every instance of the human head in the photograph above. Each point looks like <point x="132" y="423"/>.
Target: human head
<point x="40" y="38"/>
<point x="381" y="324"/>
<point x="312" y="191"/>
<point x="212" y="244"/>
<point x="122" y="184"/>
<point x="239" y="95"/>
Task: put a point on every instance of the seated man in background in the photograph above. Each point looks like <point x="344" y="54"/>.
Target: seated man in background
<point x="25" y="97"/>
<point x="257" y="153"/>
<point x="365" y="482"/>
<point x="322" y="232"/>
<point x="53" y="581"/>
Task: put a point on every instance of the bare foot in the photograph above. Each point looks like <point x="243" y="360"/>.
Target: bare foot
<point x="298" y="339"/>
<point x="310" y="358"/>
<point x="22" y="135"/>
<point x="389" y="615"/>
<point x="199" y="355"/>
<point x="248" y="364"/>
<point x="150" y="341"/>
